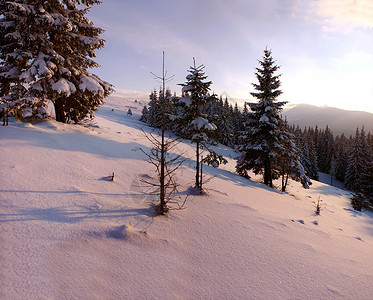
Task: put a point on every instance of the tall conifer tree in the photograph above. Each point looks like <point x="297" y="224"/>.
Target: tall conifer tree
<point x="46" y="50"/>
<point x="262" y="144"/>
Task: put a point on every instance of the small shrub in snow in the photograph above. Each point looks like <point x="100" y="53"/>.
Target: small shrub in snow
<point x="319" y="205"/>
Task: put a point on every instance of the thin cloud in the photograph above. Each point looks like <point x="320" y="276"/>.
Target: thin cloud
<point x="345" y="14"/>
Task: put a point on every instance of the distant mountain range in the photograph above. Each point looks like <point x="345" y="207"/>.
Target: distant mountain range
<point x="339" y="120"/>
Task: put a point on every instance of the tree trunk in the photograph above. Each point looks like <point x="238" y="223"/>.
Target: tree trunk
<point x="266" y="179"/>
<point x="60" y="113"/>
<point x="162" y="179"/>
<point x="162" y="176"/>
<point x="197" y="166"/>
<point x="285" y="179"/>
<point x="200" y="175"/>
<point x="267" y="172"/>
<point x="270" y="173"/>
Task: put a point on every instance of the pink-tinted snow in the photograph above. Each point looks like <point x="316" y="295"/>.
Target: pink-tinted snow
<point x="68" y="232"/>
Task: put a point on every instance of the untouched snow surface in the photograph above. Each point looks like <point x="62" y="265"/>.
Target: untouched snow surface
<point x="68" y="232"/>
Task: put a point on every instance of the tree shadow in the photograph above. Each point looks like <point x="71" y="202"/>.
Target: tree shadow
<point x="120" y="116"/>
<point x="70" y="138"/>
<point x="69" y="215"/>
<point x="81" y="142"/>
<point x="73" y="214"/>
<point x="239" y="180"/>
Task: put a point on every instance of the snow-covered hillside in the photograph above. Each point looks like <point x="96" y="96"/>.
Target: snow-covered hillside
<point x="67" y="232"/>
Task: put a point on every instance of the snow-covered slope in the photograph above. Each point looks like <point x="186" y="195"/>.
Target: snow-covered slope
<point x="67" y="232"/>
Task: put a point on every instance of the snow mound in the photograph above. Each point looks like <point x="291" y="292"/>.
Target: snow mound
<point x="128" y="233"/>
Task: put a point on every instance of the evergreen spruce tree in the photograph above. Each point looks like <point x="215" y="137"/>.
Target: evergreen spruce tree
<point x="46" y="50"/>
<point x="359" y="174"/>
<point x="340" y="154"/>
<point x="325" y="150"/>
<point x="367" y="174"/>
<point x="197" y="126"/>
<point x="237" y="123"/>
<point x="225" y="129"/>
<point x="370" y="143"/>
<point x="309" y="156"/>
<point x="262" y="144"/>
<point x="154" y="111"/>
<point x="355" y="164"/>
<point x="144" y="114"/>
<point x="288" y="161"/>
<point x="369" y="179"/>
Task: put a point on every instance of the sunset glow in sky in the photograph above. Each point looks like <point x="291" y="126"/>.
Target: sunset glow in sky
<point x="324" y="47"/>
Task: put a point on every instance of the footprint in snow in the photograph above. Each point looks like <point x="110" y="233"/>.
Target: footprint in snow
<point x="299" y="221"/>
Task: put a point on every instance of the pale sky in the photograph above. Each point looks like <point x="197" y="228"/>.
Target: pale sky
<point x="324" y="47"/>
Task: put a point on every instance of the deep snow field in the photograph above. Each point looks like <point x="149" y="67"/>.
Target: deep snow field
<point x="67" y="232"/>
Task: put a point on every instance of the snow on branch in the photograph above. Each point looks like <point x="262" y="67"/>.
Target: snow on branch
<point x="64" y="86"/>
<point x="91" y="84"/>
<point x="203" y="123"/>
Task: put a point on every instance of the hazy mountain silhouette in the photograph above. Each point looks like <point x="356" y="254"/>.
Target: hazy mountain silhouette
<point x="338" y="120"/>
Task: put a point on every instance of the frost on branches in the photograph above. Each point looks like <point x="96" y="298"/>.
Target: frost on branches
<point x="46" y="49"/>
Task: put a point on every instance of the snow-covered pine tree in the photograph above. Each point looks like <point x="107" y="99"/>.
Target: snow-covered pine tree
<point x="340" y="156"/>
<point x="154" y="111"/>
<point x="46" y="50"/>
<point x="359" y="174"/>
<point x="225" y="130"/>
<point x="288" y="161"/>
<point x="355" y="164"/>
<point x="168" y="107"/>
<point x="197" y="126"/>
<point x="144" y="114"/>
<point x="370" y="142"/>
<point x="262" y="144"/>
<point x="237" y="123"/>
<point x="308" y="155"/>
<point x="242" y="125"/>
<point x="236" y="117"/>
<point x="367" y="175"/>
<point x="369" y="179"/>
<point x="325" y="150"/>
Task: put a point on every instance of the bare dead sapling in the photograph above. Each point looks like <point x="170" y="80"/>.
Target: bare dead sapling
<point x="164" y="161"/>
